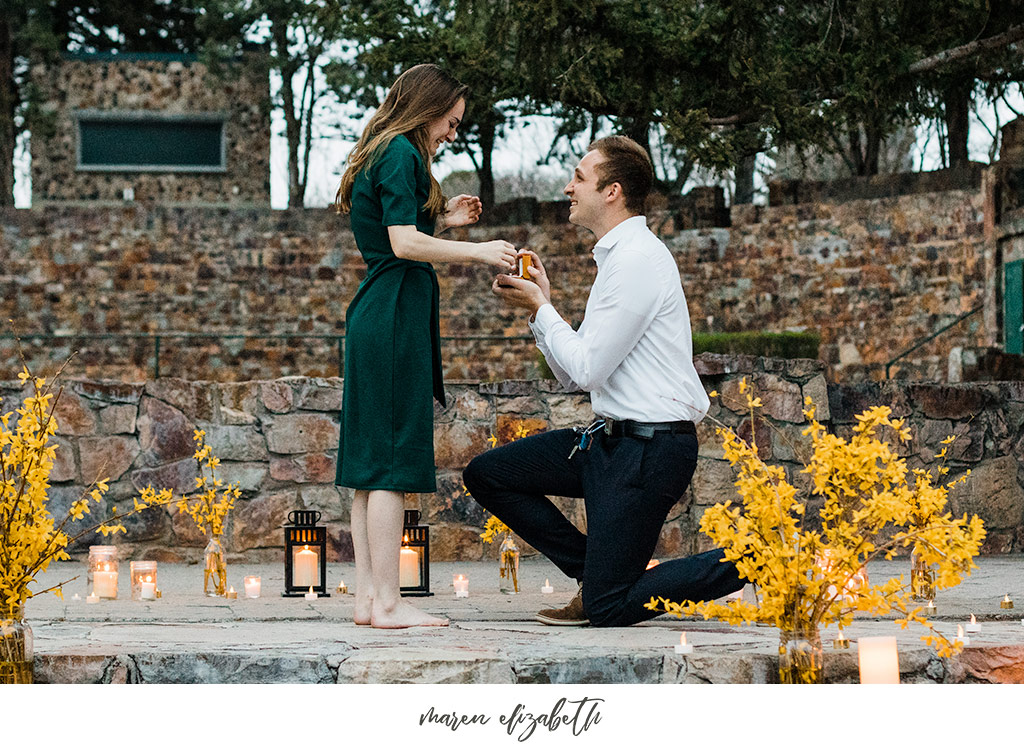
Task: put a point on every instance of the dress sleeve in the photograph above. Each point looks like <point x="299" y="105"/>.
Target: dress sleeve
<point x="395" y="182"/>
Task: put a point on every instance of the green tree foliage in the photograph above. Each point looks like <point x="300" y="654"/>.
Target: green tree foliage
<point x="727" y="79"/>
<point x="469" y="38"/>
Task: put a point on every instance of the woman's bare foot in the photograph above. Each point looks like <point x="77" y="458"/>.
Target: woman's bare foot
<point x="364" y="608"/>
<point x="402" y="615"/>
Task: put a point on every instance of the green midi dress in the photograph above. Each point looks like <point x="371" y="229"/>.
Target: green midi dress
<point x="392" y="336"/>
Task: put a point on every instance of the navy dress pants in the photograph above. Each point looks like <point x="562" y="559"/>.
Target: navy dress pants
<point x="628" y="486"/>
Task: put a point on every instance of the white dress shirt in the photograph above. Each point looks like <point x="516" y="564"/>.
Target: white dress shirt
<point x="633" y="353"/>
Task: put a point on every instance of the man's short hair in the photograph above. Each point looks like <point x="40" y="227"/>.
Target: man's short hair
<point x="628" y="164"/>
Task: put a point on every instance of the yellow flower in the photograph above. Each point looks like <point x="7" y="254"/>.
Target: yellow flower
<point x="869" y="506"/>
<point x="493" y="528"/>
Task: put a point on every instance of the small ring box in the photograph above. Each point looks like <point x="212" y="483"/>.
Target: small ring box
<point x="522" y="266"/>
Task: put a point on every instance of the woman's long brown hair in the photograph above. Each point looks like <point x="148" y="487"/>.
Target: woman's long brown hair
<point x="418" y="97"/>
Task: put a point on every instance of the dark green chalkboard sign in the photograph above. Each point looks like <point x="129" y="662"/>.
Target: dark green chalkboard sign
<point x="150" y="143"/>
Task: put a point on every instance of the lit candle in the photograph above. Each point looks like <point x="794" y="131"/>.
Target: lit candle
<point x="929" y="609"/>
<point x="305" y="565"/>
<point x="76" y="598"/>
<point x="973" y="627"/>
<point x="252" y="586"/>
<point x="965" y="639"/>
<point x="342" y="589"/>
<point x="311" y="595"/>
<point x="841" y="642"/>
<point x="92" y="599"/>
<point x="547" y="588"/>
<point x="1007" y="603"/>
<point x="878" y="659"/>
<point x="105" y="583"/>
<point x="682" y="648"/>
<point x="147" y="589"/>
<point x="408" y="567"/>
<point x="461" y="584"/>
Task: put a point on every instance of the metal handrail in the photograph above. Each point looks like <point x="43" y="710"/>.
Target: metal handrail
<point x="929" y="338"/>
<point x="339" y="338"/>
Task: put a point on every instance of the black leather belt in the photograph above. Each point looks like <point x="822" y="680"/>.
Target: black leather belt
<point x="646" y="430"/>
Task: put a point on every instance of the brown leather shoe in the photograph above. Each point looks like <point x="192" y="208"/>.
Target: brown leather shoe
<point x="570" y="615"/>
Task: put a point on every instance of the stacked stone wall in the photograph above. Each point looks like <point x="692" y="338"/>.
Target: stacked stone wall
<point x="173" y="87"/>
<point x="278" y="440"/>
<point x="872" y="276"/>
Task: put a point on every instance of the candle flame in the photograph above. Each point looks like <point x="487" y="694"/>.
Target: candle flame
<point x="973" y="619"/>
<point x="231" y="589"/>
<point x="959" y="632"/>
<point x="1007" y="597"/>
<point x="310" y="590"/>
<point x="305" y="547"/>
<point x="931" y="603"/>
<point x="651" y="563"/>
<point x="106" y="566"/>
<point x="841" y="637"/>
<point x="546" y="583"/>
<point x="341" y="585"/>
<point x="682" y="639"/>
<point x="148" y="579"/>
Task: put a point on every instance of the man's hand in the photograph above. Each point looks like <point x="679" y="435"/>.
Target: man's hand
<point x="537" y="272"/>
<point x="462" y="210"/>
<point x="529" y="294"/>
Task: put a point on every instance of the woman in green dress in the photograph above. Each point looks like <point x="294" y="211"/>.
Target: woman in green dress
<point x="392" y="339"/>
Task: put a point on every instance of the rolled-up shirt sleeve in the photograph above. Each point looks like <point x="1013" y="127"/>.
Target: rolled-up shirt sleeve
<point x="585" y="359"/>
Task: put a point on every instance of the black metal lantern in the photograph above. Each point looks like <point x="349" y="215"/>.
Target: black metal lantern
<point x="305" y="555"/>
<point x="414" y="558"/>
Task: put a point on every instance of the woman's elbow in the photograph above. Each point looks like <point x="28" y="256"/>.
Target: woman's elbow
<point x="402" y="244"/>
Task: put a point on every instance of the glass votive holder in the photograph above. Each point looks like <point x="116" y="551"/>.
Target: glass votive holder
<point x="102" y="571"/>
<point x="252" y="587"/>
<point x="143" y="575"/>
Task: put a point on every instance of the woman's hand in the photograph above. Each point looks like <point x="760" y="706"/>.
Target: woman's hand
<point x="462" y="210"/>
<point x="497" y="253"/>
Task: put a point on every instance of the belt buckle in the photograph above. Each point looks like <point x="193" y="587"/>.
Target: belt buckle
<point x="609" y="426"/>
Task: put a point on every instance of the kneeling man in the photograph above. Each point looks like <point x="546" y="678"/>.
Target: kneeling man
<point x="633" y="354"/>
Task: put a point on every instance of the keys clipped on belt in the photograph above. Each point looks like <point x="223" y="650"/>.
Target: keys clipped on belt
<point x="585" y="436"/>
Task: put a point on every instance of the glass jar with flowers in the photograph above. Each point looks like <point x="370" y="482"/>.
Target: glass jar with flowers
<point x="508" y="554"/>
<point x="208" y="509"/>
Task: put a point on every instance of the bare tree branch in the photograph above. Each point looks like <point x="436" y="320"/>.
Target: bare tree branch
<point x="1008" y="37"/>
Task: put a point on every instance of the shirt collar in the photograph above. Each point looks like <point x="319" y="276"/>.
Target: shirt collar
<point x="607" y="242"/>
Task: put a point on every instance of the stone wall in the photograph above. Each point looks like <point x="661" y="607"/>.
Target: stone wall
<point x="872" y="276"/>
<point x="165" y="84"/>
<point x="278" y="440"/>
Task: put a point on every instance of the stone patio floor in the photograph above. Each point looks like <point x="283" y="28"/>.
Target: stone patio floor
<point x="186" y="637"/>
